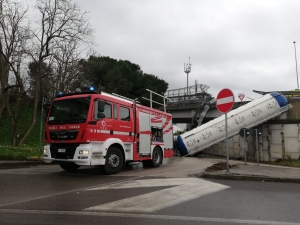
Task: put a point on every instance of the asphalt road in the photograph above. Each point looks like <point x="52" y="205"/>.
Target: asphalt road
<point x="170" y="194"/>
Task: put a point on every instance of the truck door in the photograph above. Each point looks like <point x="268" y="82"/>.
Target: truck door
<point x="145" y="130"/>
<point x="105" y="126"/>
<point x="124" y="126"/>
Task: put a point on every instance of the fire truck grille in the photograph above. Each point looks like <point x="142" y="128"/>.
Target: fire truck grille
<point x="63" y="151"/>
<point x="63" y="135"/>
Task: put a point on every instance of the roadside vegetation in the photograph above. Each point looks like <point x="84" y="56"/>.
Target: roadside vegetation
<point x="288" y="162"/>
<point x="19" y="154"/>
<point x="28" y="150"/>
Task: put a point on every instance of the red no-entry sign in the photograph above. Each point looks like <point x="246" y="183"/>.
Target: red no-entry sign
<point x="225" y="100"/>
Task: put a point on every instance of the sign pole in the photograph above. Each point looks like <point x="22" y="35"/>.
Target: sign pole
<point x="226" y="142"/>
<point x="244" y="133"/>
<point x="245" y="145"/>
<point x="256" y="136"/>
<point x="224" y="103"/>
<point x="256" y="133"/>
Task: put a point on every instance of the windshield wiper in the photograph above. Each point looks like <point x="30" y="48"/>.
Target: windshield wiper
<point x="56" y="121"/>
<point x="77" y="120"/>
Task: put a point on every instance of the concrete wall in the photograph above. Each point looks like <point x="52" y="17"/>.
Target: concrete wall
<point x="278" y="141"/>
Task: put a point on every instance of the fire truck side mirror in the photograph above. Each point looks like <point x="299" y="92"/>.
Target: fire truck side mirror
<point x="100" y="115"/>
<point x="101" y="105"/>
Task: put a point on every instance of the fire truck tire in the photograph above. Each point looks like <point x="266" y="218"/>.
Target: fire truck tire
<point x="156" y="157"/>
<point x="114" y="161"/>
<point x="69" y="166"/>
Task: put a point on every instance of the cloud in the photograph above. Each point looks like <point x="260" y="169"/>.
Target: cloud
<point x="241" y="45"/>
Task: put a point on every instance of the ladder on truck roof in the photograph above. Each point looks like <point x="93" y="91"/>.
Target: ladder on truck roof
<point x="152" y="92"/>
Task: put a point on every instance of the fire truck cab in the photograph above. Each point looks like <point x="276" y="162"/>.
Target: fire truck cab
<point x="100" y="129"/>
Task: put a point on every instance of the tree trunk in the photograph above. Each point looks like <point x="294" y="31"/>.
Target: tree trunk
<point x="35" y="104"/>
<point x="3" y="83"/>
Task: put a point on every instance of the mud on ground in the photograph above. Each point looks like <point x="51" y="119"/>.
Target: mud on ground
<point x="220" y="166"/>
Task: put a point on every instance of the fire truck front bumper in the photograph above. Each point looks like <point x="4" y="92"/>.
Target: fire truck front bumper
<point x="81" y="155"/>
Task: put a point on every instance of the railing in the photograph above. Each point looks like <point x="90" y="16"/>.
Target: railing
<point x="164" y="98"/>
<point x="184" y="95"/>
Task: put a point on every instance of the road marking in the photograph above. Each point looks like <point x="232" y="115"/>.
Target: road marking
<point x="185" y="189"/>
<point x="67" y="192"/>
<point x="147" y="216"/>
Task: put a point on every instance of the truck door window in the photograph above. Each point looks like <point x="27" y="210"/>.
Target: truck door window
<point x="115" y="112"/>
<point x="107" y="110"/>
<point x="124" y="114"/>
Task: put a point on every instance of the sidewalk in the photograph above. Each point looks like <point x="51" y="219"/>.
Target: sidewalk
<point x="252" y="171"/>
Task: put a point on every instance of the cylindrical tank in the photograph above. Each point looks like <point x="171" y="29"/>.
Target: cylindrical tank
<point x="255" y="112"/>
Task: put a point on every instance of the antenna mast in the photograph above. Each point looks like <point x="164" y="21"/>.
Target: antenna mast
<point x="187" y="70"/>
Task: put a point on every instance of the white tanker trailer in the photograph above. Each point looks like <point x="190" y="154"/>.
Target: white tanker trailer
<point x="250" y="115"/>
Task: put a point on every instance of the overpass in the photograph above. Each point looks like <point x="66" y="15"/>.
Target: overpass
<point x="193" y="105"/>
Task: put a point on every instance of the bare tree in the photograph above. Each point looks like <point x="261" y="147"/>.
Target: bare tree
<point x="13" y="39"/>
<point x="61" y="23"/>
<point x="66" y="66"/>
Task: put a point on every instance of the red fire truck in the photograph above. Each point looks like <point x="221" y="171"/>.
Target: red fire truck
<point x="100" y="129"/>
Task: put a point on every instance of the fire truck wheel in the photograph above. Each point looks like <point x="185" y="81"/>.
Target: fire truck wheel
<point x="69" y="166"/>
<point x="114" y="161"/>
<point x="156" y="157"/>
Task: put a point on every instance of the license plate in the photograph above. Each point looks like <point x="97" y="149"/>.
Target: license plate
<point x="61" y="150"/>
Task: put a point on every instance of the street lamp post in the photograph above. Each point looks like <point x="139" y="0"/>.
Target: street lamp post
<point x="187" y="70"/>
<point x="296" y="65"/>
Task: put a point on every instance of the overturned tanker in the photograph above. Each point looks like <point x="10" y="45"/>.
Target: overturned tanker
<point x="247" y="116"/>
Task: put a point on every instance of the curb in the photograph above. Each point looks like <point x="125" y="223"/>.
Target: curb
<point x="21" y="164"/>
<point x="236" y="176"/>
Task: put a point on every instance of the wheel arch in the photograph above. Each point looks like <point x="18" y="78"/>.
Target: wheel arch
<point x="114" y="142"/>
<point x="119" y="146"/>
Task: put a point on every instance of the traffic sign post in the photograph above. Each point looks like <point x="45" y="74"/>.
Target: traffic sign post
<point x="224" y="103"/>
<point x="244" y="133"/>
<point x="256" y="133"/>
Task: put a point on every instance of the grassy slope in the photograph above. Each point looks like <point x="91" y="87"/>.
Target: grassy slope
<point x="29" y="149"/>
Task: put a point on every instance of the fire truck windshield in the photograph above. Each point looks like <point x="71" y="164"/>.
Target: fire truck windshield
<point x="68" y="111"/>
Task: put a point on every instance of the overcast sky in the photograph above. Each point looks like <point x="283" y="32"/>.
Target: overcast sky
<point x="240" y="45"/>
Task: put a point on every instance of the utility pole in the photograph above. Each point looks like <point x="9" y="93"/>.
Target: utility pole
<point x="187" y="70"/>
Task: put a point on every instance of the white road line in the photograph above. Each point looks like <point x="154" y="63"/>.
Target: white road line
<point x="186" y="189"/>
<point x="147" y="216"/>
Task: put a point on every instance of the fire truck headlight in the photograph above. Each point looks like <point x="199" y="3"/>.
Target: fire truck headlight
<point x="45" y="151"/>
<point x="83" y="152"/>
